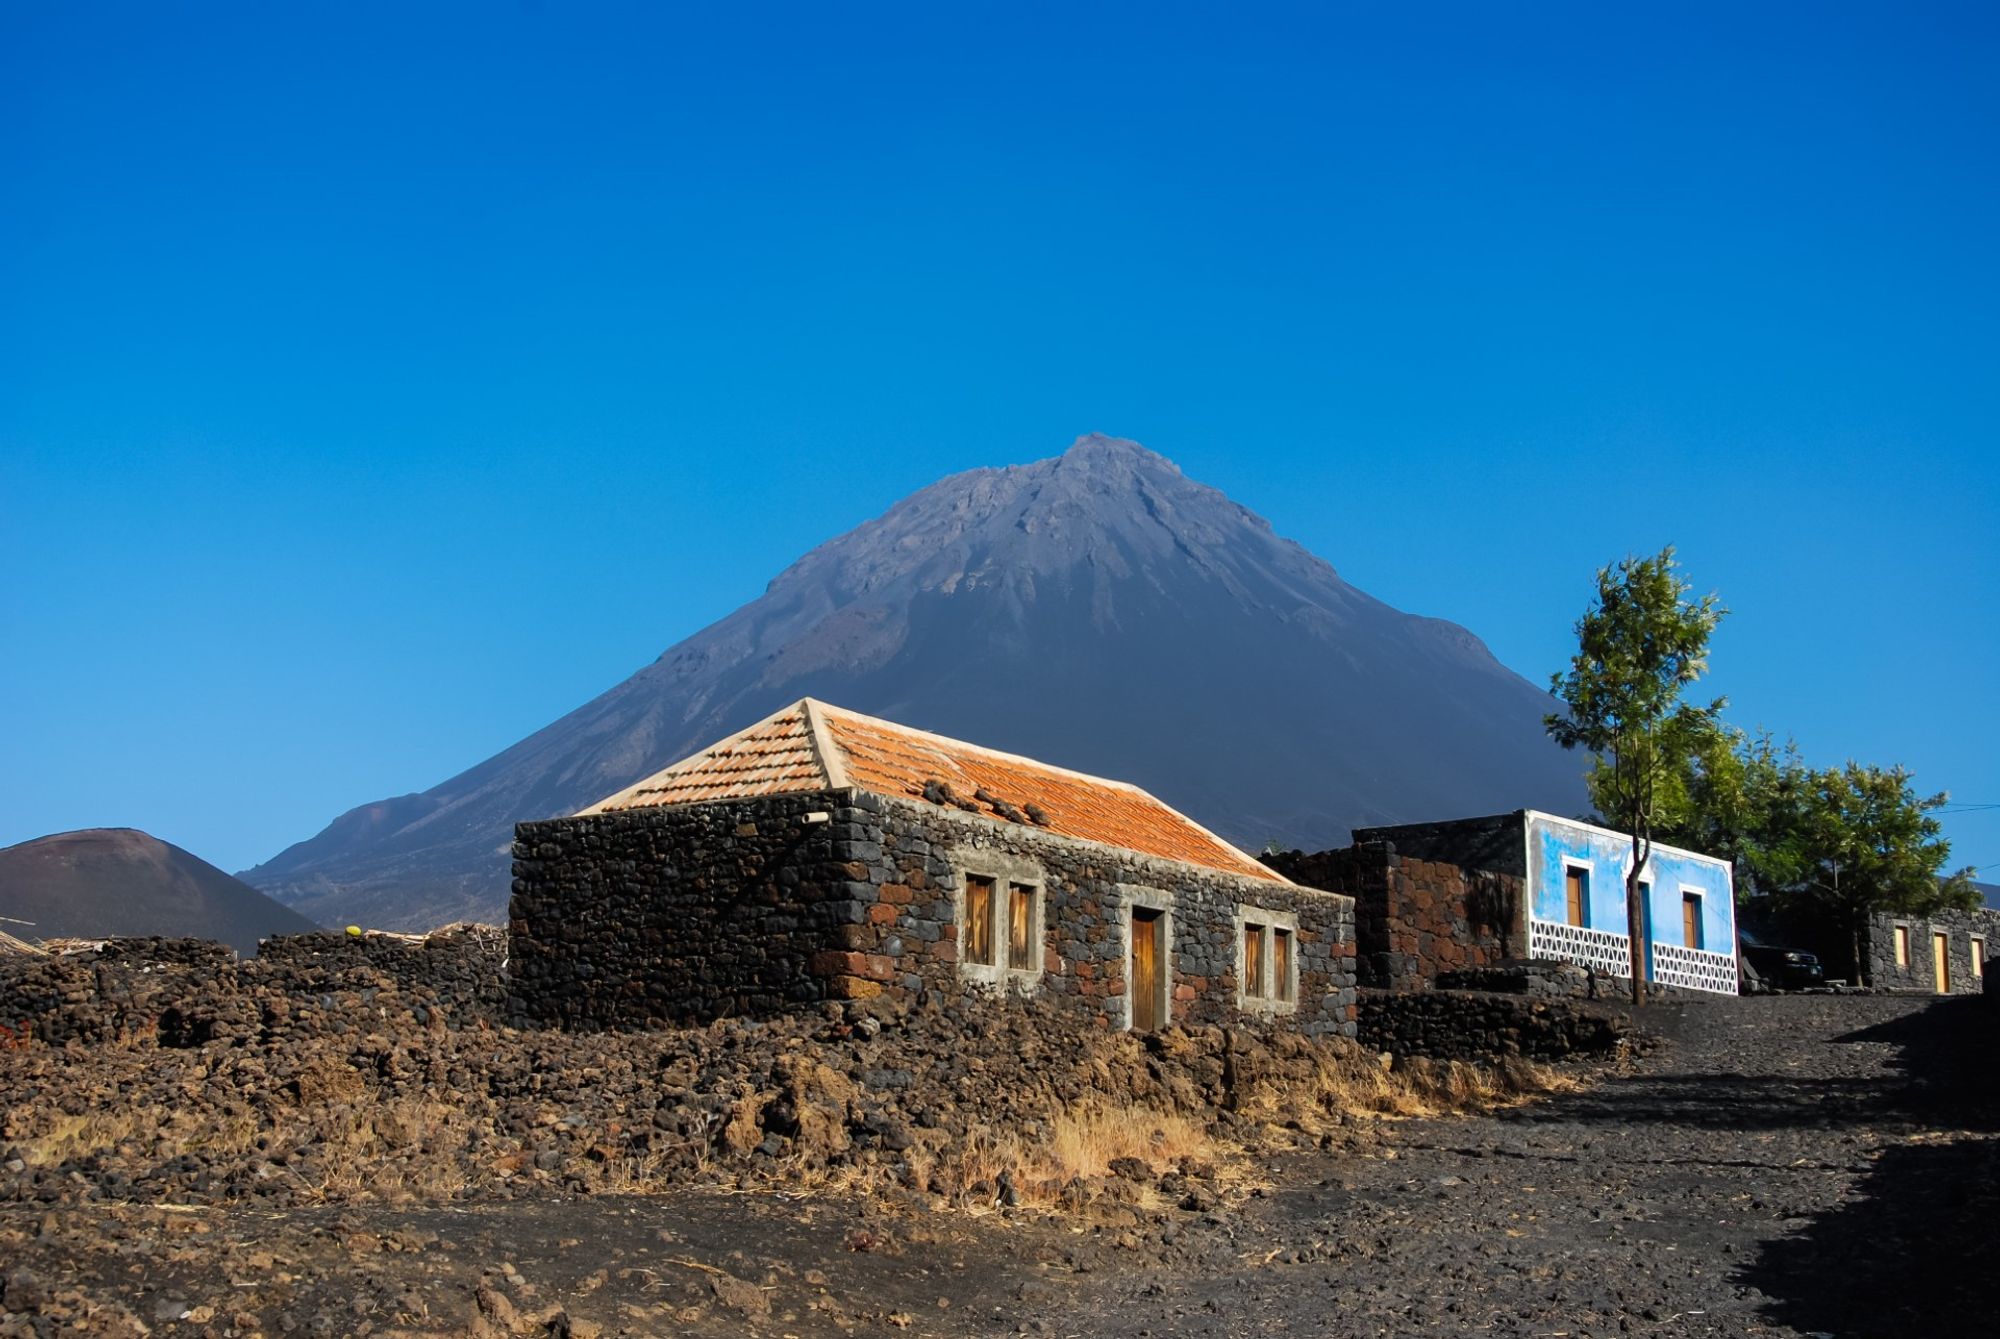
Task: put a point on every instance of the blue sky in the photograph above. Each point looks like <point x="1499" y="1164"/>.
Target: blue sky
<point x="379" y="382"/>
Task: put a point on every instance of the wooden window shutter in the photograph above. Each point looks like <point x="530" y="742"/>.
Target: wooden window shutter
<point x="1021" y="927"/>
<point x="978" y="927"/>
<point x="1253" y="960"/>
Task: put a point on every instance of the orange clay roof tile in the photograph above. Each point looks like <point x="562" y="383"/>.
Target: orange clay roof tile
<point x="812" y="746"/>
<point x="770" y="758"/>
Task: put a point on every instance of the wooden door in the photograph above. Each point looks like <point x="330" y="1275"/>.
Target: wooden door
<point x="1691" y="920"/>
<point x="1941" y="962"/>
<point x="1148" y="958"/>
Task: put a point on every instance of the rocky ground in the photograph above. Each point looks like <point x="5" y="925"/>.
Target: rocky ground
<point x="1786" y="1166"/>
<point x="1799" y="1165"/>
<point x="338" y="1071"/>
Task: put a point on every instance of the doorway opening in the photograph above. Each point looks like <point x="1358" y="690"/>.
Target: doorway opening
<point x="1149" y="969"/>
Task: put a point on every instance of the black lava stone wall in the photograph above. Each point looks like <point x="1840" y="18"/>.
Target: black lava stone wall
<point x="1415" y="918"/>
<point x="686" y="913"/>
<point x="693" y="912"/>
<point x="1087" y="889"/>
<point x="194" y="992"/>
<point x="1496" y="843"/>
<point x="1467" y="1025"/>
<point x="463" y="966"/>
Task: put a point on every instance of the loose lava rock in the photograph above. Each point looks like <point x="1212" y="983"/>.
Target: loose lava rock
<point x="335" y="1068"/>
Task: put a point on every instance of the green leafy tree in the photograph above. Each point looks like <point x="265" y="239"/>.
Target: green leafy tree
<point x="1862" y="842"/>
<point x="1824" y="848"/>
<point x="1640" y="646"/>
<point x="1743" y="797"/>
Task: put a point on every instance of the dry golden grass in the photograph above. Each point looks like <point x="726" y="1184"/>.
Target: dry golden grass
<point x="651" y="1173"/>
<point x="1086" y="1140"/>
<point x="57" y="1137"/>
<point x="1356" y="1083"/>
<point x="1454" y="1087"/>
<point x="402" y="1149"/>
<point x="1082" y="1141"/>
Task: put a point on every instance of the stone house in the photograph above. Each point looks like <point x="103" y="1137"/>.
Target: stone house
<point x="822" y="854"/>
<point x="1473" y="892"/>
<point x="1943" y="953"/>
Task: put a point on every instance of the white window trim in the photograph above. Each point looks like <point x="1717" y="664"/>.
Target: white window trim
<point x="1902" y="947"/>
<point x="1268" y="1002"/>
<point x="1139" y="896"/>
<point x="1700" y="921"/>
<point x="1978" y="948"/>
<point x="1005" y="871"/>
<point x="1589" y="868"/>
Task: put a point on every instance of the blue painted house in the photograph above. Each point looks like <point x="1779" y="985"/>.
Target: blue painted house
<point x="1572" y="906"/>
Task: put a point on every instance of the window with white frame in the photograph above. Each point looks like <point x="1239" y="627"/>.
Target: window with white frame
<point x="1267" y="962"/>
<point x="1000" y="926"/>
<point x="1576" y="893"/>
<point x="1692" y="925"/>
<point x="1978" y="955"/>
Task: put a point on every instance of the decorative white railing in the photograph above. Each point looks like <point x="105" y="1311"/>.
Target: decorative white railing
<point x="1607" y="952"/>
<point x="1694" y="969"/>
<point x="1610" y="953"/>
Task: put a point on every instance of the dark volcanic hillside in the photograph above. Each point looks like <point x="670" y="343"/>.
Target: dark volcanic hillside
<point x="1097" y="610"/>
<point x="102" y="882"/>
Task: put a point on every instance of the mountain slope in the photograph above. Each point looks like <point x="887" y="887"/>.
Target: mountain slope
<point x="102" y="882"/>
<point x="1097" y="610"/>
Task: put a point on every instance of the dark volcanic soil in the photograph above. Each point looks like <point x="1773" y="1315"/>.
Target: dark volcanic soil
<point x="1798" y="1165"/>
<point x="1789" y="1166"/>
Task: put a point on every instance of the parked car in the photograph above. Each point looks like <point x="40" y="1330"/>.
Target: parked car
<point x="1784" y="968"/>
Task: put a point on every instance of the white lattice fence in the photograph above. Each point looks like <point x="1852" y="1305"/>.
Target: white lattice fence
<point x="1694" y="968"/>
<point x="1607" y="952"/>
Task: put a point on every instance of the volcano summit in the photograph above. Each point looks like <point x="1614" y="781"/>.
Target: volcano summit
<point x="1098" y="610"/>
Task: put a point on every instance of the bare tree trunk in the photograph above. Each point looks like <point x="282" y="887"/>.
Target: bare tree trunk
<point x="1635" y="915"/>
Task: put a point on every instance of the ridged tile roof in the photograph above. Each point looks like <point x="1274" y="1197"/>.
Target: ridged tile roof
<point x="772" y="757"/>
<point x="812" y="746"/>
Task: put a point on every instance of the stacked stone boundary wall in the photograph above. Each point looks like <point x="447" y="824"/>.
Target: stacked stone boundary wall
<point x="191" y="992"/>
<point x="1543" y="978"/>
<point x="1478" y="1025"/>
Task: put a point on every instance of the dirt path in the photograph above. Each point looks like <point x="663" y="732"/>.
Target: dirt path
<point x="1786" y="1167"/>
<point x="1805" y="1165"/>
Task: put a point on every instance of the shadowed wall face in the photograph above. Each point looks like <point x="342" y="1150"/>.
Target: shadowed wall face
<point x="684" y="914"/>
<point x="1415" y="918"/>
